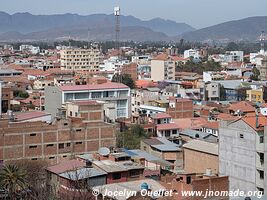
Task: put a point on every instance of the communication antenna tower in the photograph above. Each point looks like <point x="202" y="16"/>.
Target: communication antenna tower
<point x="262" y="39"/>
<point x="117" y="11"/>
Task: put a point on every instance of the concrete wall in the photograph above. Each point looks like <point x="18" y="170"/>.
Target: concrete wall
<point x="237" y="156"/>
<point x="53" y="100"/>
<point x="157" y="70"/>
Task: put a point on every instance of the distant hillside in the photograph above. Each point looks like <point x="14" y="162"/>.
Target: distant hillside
<point x="134" y="33"/>
<point x="246" y="29"/>
<point x="25" y="25"/>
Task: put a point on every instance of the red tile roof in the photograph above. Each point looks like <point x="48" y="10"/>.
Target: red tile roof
<point x="162" y="56"/>
<point x="226" y="117"/>
<point x="85" y="103"/>
<point x="109" y="85"/>
<point x="30" y="115"/>
<point x="169" y="126"/>
<point x="190" y="123"/>
<point x="144" y="84"/>
<point x="251" y="121"/>
<point x="242" y="106"/>
<point x="66" y="166"/>
<point x="212" y="125"/>
<point x="161" y="116"/>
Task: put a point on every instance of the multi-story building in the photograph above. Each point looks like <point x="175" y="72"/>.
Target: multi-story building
<point x="57" y="96"/>
<point x="5" y="98"/>
<point x="255" y="96"/>
<point x="180" y="108"/>
<point x="162" y="68"/>
<point x="263" y="69"/>
<point x="191" y="53"/>
<point x="30" y="48"/>
<point x="242" y="153"/>
<point x="131" y="70"/>
<point x="234" y="56"/>
<point x="211" y="91"/>
<point x="63" y="139"/>
<point x="80" y="59"/>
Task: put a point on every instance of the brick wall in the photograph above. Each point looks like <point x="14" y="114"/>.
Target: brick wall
<point x="198" y="162"/>
<point x="34" y="140"/>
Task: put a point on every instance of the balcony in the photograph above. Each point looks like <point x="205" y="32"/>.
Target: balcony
<point x="260" y="161"/>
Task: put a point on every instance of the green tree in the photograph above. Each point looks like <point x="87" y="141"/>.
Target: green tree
<point x="131" y="138"/>
<point x="255" y="74"/>
<point x="20" y="93"/>
<point x="232" y="47"/>
<point x="125" y="79"/>
<point x="12" y="179"/>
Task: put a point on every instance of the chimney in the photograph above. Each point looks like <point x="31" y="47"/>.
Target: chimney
<point x="257" y="119"/>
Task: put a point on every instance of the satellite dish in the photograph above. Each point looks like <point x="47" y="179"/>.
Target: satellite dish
<point x="104" y="151"/>
<point x="263" y="111"/>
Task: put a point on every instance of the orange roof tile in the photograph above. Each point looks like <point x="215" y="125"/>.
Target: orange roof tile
<point x="162" y="56"/>
<point x="242" y="106"/>
<point x="169" y="126"/>
<point x="251" y="121"/>
<point x="190" y="123"/>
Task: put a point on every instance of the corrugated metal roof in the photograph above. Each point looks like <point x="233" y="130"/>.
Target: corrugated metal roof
<point x="202" y="146"/>
<point x="82" y="173"/>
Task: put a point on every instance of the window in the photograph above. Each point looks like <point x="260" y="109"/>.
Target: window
<point x="78" y="130"/>
<point x="116" y="176"/>
<point x="34" y="159"/>
<point x="261" y="174"/>
<point x="49" y="145"/>
<point x="68" y="144"/>
<point x="241" y="136"/>
<point x="71" y="113"/>
<point x="64" y="156"/>
<point x="262" y="158"/>
<point x="167" y="133"/>
<point x="78" y="142"/>
<point x="65" y="124"/>
<point x="134" y="173"/>
<point x="188" y="180"/>
<point x="61" y="146"/>
<point x="261" y="139"/>
<point x="33" y="134"/>
<point x="52" y="157"/>
<point x="33" y="147"/>
<point x="81" y="95"/>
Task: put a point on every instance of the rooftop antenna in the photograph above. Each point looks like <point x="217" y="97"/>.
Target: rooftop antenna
<point x="117" y="26"/>
<point x="69" y="40"/>
<point x="88" y="38"/>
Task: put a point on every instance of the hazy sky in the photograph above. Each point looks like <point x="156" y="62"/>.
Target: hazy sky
<point x="198" y="13"/>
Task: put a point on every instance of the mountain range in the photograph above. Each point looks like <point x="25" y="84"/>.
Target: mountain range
<point x="25" y="26"/>
<point x="100" y="27"/>
<point x="248" y="29"/>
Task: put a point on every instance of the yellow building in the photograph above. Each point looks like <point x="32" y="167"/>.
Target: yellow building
<point x="80" y="59"/>
<point x="255" y="96"/>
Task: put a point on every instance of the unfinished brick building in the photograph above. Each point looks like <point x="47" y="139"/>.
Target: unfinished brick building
<point x="63" y="139"/>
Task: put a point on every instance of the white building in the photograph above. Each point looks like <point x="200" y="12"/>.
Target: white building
<point x="213" y="76"/>
<point x="191" y="53"/>
<point x="234" y="56"/>
<point x="30" y="48"/>
<point x="117" y="93"/>
<point x="112" y="64"/>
